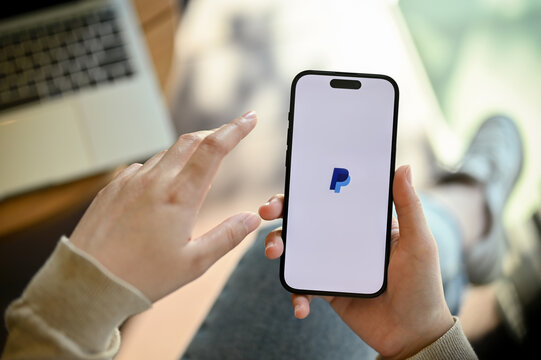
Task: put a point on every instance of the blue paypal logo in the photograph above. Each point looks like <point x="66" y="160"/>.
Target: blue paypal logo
<point x="340" y="177"/>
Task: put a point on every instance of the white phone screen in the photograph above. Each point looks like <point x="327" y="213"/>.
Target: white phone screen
<point x="341" y="162"/>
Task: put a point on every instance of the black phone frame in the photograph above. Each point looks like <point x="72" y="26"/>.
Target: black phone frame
<point x="287" y="178"/>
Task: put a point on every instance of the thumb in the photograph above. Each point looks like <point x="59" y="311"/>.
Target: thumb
<point x="217" y="242"/>
<point x="411" y="218"/>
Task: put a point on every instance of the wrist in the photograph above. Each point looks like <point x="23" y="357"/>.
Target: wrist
<point x="422" y="338"/>
<point x="73" y="294"/>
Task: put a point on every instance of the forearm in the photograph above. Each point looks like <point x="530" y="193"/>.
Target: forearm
<point x="71" y="309"/>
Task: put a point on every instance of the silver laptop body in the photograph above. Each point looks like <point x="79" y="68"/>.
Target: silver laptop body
<point x="78" y="95"/>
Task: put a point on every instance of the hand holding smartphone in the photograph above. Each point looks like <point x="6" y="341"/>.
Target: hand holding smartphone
<point x="338" y="194"/>
<point x="336" y="235"/>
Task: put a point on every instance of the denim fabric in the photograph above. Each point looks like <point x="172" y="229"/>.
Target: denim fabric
<point x="447" y="234"/>
<point x="253" y="318"/>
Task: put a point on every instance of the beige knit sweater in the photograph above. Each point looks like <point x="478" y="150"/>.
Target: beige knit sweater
<point x="73" y="307"/>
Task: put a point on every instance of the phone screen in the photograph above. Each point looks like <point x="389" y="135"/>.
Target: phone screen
<point x="341" y="151"/>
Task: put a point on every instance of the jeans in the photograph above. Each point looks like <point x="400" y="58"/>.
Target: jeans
<point x="253" y="318"/>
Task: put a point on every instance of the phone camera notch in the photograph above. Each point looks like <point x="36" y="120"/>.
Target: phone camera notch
<point x="345" y="84"/>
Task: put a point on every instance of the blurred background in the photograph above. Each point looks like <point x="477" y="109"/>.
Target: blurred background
<point x="456" y="63"/>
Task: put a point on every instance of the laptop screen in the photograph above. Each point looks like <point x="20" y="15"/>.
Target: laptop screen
<point x="20" y="7"/>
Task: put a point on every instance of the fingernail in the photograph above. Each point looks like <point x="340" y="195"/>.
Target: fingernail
<point x="269" y="245"/>
<point x="408" y="175"/>
<point x="251" y="222"/>
<point x="297" y="309"/>
<point x="250" y="115"/>
<point x="270" y="201"/>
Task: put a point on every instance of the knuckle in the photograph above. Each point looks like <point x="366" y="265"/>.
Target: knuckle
<point x="236" y="124"/>
<point x="186" y="141"/>
<point x="109" y="190"/>
<point x="130" y="171"/>
<point x="158" y="155"/>
<point x="104" y="191"/>
<point x="231" y="234"/>
<point x="213" y="145"/>
<point x="123" y="172"/>
<point x="143" y="183"/>
<point x="190" y="138"/>
<point x="146" y="179"/>
<point x="413" y="206"/>
<point x="134" y="165"/>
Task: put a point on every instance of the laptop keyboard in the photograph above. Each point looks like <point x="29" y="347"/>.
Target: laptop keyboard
<point x="61" y="57"/>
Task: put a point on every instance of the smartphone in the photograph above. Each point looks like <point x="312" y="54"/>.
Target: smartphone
<point x="340" y="163"/>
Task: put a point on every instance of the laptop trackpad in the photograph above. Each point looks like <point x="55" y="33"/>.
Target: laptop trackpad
<point x="41" y="145"/>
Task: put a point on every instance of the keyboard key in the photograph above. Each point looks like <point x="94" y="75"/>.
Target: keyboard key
<point x="115" y="70"/>
<point x="97" y="75"/>
<point x="6" y="68"/>
<point x="112" y="56"/>
<point x="42" y="59"/>
<point x="129" y="69"/>
<point x="111" y="41"/>
<point x="88" y="62"/>
<point x="74" y="67"/>
<point x="105" y="29"/>
<point x="93" y="45"/>
<point x="106" y="15"/>
<point x="42" y="89"/>
<point x="76" y="50"/>
<point x="4" y="86"/>
<point x="80" y="79"/>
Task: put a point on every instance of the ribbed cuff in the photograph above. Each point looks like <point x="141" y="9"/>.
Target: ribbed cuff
<point x="76" y="295"/>
<point x="451" y="345"/>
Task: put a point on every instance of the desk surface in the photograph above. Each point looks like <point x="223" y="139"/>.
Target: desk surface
<point x="158" y="19"/>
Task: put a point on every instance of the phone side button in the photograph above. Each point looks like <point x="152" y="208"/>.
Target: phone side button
<point x="288" y="135"/>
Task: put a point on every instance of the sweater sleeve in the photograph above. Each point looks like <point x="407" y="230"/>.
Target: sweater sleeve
<point x="451" y="345"/>
<point x="71" y="309"/>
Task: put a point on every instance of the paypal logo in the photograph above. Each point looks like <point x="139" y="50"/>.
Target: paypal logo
<point x="340" y="177"/>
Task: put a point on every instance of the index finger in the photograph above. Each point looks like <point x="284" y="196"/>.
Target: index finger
<point x="193" y="182"/>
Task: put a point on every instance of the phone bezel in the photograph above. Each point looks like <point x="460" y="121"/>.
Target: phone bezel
<point x="287" y="179"/>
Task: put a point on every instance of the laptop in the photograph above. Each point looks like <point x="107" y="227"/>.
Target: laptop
<point x="78" y="94"/>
